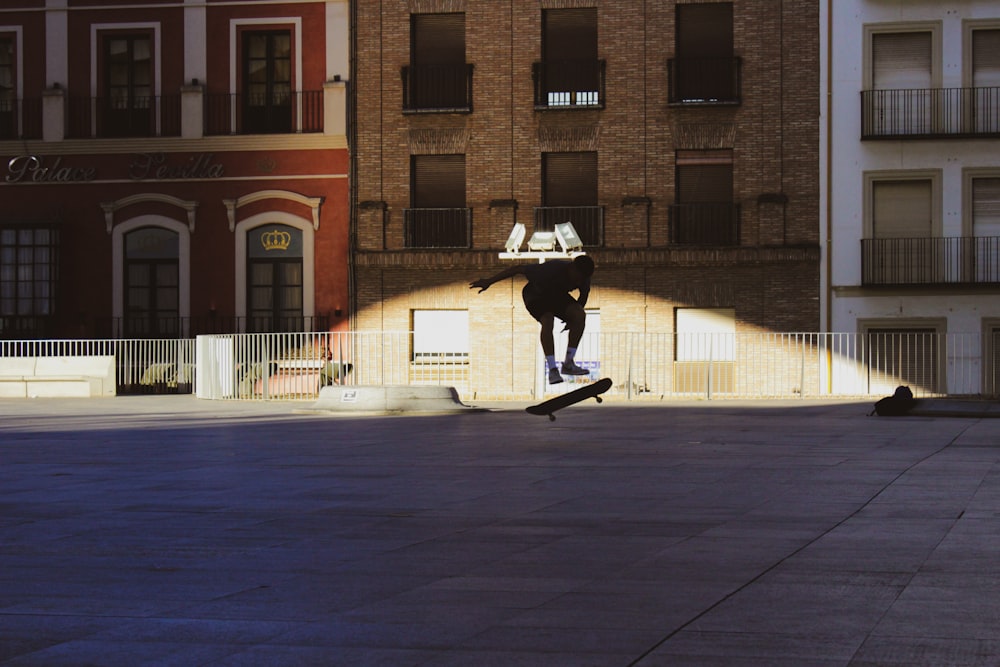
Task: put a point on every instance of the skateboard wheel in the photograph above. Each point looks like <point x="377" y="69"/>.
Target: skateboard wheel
<point x="552" y="418"/>
<point x="599" y="399"/>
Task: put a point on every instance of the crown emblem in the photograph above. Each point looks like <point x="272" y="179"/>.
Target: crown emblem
<point x="275" y="240"/>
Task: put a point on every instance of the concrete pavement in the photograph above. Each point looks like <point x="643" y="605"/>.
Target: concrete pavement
<point x="171" y="531"/>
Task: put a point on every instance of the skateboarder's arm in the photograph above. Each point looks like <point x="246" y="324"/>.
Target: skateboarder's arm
<point x="484" y="283"/>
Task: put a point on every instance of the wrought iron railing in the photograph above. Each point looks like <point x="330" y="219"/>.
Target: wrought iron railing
<point x="963" y="260"/>
<point x="437" y="227"/>
<point x="588" y="221"/>
<point x="430" y="88"/>
<point x="704" y="80"/>
<point x="709" y="224"/>
<point x="924" y="113"/>
<point x="105" y="117"/>
<point x="20" y="118"/>
<point x="569" y="84"/>
<point x="240" y="113"/>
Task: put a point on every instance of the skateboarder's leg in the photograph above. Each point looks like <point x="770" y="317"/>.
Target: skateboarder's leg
<point x="547" y="321"/>
<point x="576" y="321"/>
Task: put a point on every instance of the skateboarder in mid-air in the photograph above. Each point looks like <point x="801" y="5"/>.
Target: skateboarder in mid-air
<point x="547" y="296"/>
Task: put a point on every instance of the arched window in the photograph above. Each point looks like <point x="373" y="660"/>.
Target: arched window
<point x="275" y="280"/>
<point x="151" y="282"/>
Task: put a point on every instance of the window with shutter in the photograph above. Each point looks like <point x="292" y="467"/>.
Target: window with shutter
<point x="705" y="69"/>
<point x="986" y="81"/>
<point x="438" y="217"/>
<point x="437" y="77"/>
<point x="8" y="89"/>
<point x="570" y="71"/>
<point x="902" y="356"/>
<point x="902" y="220"/>
<point x="986" y="228"/>
<point x="569" y="194"/>
<point x="902" y="73"/>
<point x="704" y="212"/>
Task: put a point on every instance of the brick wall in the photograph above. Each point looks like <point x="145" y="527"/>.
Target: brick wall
<point x="772" y="279"/>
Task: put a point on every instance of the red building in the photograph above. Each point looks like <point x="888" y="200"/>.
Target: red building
<point x="172" y="168"/>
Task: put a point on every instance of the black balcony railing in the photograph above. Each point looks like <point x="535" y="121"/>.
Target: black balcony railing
<point x="430" y="88"/>
<point x="103" y="117"/>
<point x="923" y="113"/>
<point x="20" y="118"/>
<point x="437" y="227"/>
<point x="238" y="113"/>
<point x="569" y="84"/>
<point x="959" y="260"/>
<point x="588" y="221"/>
<point x="710" y="224"/>
<point x="704" y="80"/>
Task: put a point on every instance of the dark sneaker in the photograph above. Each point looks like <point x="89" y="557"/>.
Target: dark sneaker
<point x="554" y="377"/>
<point x="570" y="368"/>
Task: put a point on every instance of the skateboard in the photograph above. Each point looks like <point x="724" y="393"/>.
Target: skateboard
<point x="550" y="406"/>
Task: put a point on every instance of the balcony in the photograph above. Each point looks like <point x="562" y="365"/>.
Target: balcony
<point x="704" y="81"/>
<point x="705" y="224"/>
<point x="960" y="260"/>
<point x="569" y="84"/>
<point x="437" y="88"/>
<point x="20" y="118"/>
<point x="104" y="117"/>
<point x="437" y="227"/>
<point x="240" y="113"/>
<point x="587" y="220"/>
<point x="930" y="113"/>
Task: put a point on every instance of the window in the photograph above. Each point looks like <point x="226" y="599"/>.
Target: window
<point x="985" y="207"/>
<point x="569" y="194"/>
<point x="438" y="217"/>
<point x="705" y="69"/>
<point x="438" y="77"/>
<point x="570" y="74"/>
<point x="8" y="89"/>
<point x="902" y="73"/>
<point x="267" y="81"/>
<point x="904" y="245"/>
<point x="991" y="358"/>
<point x="128" y="103"/>
<point x="440" y="335"/>
<point x="986" y="80"/>
<point x="704" y="212"/>
<point x="705" y="351"/>
<point x="28" y="275"/>
<point x="152" y="283"/>
<point x="902" y="354"/>
<point x="274" y="279"/>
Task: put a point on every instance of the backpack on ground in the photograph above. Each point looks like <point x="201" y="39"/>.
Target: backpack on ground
<point x="897" y="405"/>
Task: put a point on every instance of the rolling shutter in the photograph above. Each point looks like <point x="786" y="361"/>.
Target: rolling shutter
<point x="438" y="39"/>
<point x="901" y="60"/>
<point x="570" y="179"/>
<point x="985" y="58"/>
<point x="438" y="181"/>
<point x="901" y="209"/>
<point x="569" y="34"/>
<point x="705" y="30"/>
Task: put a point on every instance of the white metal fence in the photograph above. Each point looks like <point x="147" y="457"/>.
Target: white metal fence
<point x="142" y="364"/>
<point x="642" y="365"/>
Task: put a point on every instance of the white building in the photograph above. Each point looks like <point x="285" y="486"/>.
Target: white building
<point x="910" y="175"/>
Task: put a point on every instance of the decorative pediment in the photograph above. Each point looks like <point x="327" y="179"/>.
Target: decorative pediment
<point x="110" y="208"/>
<point x="233" y="204"/>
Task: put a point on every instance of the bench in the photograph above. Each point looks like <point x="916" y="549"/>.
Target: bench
<point x="57" y="377"/>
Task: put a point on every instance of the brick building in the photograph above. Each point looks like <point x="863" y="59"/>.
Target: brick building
<point x="679" y="138"/>
<point x="172" y="168"/>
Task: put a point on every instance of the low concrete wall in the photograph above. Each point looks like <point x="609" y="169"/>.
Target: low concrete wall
<point x="57" y="377"/>
<point x="389" y="399"/>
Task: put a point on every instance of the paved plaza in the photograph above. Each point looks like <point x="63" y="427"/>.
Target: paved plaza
<point x="172" y="531"/>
